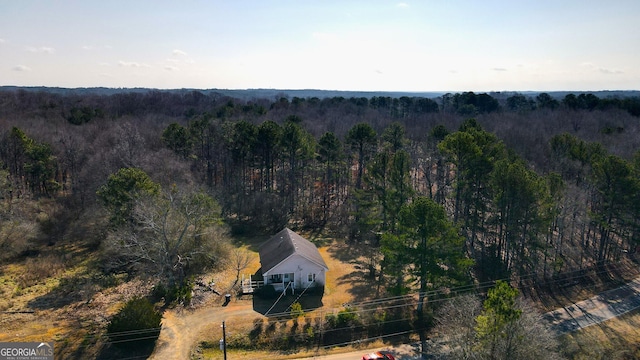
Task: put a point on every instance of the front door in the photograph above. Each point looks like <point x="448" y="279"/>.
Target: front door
<point x="288" y="278"/>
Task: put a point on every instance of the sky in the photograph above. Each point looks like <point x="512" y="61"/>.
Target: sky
<point x="411" y="45"/>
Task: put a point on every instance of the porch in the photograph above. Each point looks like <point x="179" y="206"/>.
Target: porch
<point x="280" y="282"/>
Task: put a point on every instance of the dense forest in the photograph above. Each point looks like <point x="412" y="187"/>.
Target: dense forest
<point x="537" y="184"/>
<point x="515" y="186"/>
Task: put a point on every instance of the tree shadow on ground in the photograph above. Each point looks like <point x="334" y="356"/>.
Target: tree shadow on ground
<point x="281" y="306"/>
<point x="362" y="281"/>
<point x="561" y="289"/>
<point x="350" y="252"/>
<point x="109" y="352"/>
<point x="68" y="291"/>
<point x="252" y="242"/>
<point x="362" y="285"/>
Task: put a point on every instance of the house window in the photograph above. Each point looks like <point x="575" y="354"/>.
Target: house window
<point x="276" y="278"/>
<point x="311" y="278"/>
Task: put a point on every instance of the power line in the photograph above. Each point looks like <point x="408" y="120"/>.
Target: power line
<point x="378" y="304"/>
<point x="413" y="298"/>
<point x="460" y="290"/>
<point x="463" y="289"/>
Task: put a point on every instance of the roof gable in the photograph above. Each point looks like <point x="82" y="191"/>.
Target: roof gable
<point x="284" y="244"/>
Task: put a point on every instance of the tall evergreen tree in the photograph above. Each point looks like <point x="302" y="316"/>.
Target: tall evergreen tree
<point x="331" y="156"/>
<point x="430" y="243"/>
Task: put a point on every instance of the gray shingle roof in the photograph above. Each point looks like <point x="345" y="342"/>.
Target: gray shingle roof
<point x="284" y="244"/>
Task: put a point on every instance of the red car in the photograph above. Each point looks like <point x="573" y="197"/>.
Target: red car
<point x="378" y="355"/>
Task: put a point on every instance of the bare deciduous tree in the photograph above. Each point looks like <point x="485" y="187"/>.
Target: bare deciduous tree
<point x="173" y="235"/>
<point x="456" y="321"/>
<point x="241" y="260"/>
<point x="528" y="336"/>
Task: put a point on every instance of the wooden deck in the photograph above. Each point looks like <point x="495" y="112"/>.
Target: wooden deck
<point x="249" y="285"/>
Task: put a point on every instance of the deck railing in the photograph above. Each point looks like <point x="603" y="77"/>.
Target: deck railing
<point x="249" y="286"/>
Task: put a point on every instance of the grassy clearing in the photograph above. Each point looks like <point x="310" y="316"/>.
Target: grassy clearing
<point x="58" y="295"/>
<point x="31" y="313"/>
<point x="615" y="339"/>
<point x="345" y="283"/>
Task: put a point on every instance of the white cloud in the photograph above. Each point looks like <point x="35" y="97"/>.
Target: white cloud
<point x="132" y="64"/>
<point x="499" y="69"/>
<point x="128" y="63"/>
<point x="21" y="68"/>
<point x="95" y="47"/>
<point x="602" y="70"/>
<point x="1" y="40"/>
<point x="178" y="57"/>
<point x="402" y="5"/>
<point x="610" y="71"/>
<point x="41" y="49"/>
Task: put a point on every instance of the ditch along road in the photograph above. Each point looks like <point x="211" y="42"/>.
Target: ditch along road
<point x="181" y="329"/>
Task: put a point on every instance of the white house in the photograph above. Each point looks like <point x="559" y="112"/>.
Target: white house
<point x="291" y="262"/>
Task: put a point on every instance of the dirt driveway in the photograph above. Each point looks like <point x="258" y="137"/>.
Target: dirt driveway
<point x="182" y="328"/>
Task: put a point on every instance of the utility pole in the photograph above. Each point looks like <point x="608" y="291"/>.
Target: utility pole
<point x="224" y="341"/>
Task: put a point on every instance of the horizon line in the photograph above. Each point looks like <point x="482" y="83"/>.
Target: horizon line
<point x="316" y="89"/>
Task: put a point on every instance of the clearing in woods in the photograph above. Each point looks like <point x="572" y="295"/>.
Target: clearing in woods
<point x="183" y="329"/>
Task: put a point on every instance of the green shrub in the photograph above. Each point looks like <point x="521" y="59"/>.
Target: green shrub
<point x="158" y="292"/>
<point x="348" y="317"/>
<point x="296" y="310"/>
<point x="345" y="326"/>
<point x="137" y="325"/>
<point x="181" y="293"/>
<point x="175" y="294"/>
<point x="240" y="341"/>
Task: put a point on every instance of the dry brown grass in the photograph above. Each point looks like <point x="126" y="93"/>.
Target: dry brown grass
<point x="69" y="308"/>
<point x="337" y="287"/>
<point x="550" y="295"/>
<point x="23" y="284"/>
<point x="54" y="296"/>
<point x="38" y="269"/>
<point x="615" y="339"/>
<point x="344" y="284"/>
